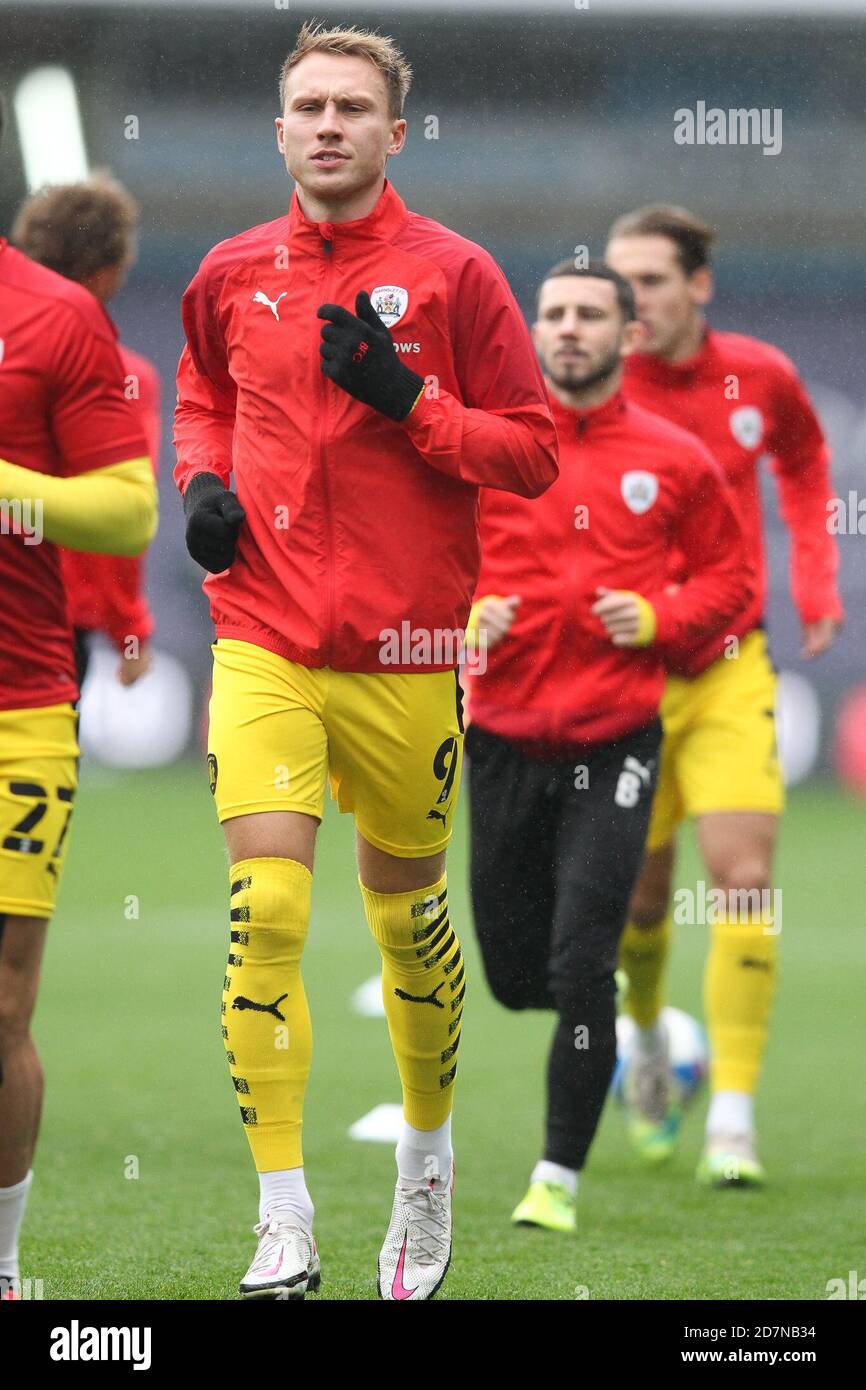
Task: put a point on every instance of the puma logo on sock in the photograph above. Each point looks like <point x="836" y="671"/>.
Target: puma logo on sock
<point x="243" y="1003"/>
<point x="422" y="998"/>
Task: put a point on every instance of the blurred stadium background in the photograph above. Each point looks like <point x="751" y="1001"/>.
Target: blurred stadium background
<point x="552" y="118"/>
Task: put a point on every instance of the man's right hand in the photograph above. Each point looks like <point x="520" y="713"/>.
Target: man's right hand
<point x="494" y="616"/>
<point x="213" y="520"/>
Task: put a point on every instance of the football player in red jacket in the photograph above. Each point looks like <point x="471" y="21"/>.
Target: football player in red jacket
<point x="359" y="370"/>
<point x="73" y="472"/>
<point x="87" y="232"/>
<point x="744" y="399"/>
<point x="564" y="734"/>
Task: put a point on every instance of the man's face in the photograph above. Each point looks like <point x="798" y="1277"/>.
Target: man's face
<point x="668" y="299"/>
<point x="335" y="132"/>
<point x="580" y="335"/>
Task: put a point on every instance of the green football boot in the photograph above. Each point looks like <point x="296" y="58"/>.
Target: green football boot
<point x="549" y="1205"/>
<point x="729" y="1160"/>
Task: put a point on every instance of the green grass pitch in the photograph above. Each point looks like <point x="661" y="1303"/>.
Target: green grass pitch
<point x="128" y="1028"/>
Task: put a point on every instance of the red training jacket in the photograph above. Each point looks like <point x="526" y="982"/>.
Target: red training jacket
<point x="743" y="399"/>
<point x="62" y="412"/>
<point x="631" y="486"/>
<point x="105" y="593"/>
<point x="355" y="524"/>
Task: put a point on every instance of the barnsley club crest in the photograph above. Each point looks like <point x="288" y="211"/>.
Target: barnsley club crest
<point x="390" y="303"/>
<point x="639" y="490"/>
<point x="747" y="426"/>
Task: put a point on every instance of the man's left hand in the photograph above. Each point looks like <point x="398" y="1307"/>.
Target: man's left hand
<point x="358" y="355"/>
<point x="818" y="637"/>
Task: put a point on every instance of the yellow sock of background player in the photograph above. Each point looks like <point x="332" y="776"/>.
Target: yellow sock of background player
<point x="643" y="953"/>
<point x="423" y="986"/>
<point x="265" y="1018"/>
<point x="739" y="983"/>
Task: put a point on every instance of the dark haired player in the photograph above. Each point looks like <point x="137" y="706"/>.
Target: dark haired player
<point x="564" y="734"/>
<point x="744" y="400"/>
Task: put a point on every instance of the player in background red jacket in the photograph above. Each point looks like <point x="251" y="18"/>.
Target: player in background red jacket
<point x="87" y="232"/>
<point x="360" y="371"/>
<point x="743" y="398"/>
<point x="564" y="732"/>
<point x="73" y="472"/>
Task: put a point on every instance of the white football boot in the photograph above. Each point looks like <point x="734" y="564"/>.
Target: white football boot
<point x="286" y="1263"/>
<point x="416" y="1253"/>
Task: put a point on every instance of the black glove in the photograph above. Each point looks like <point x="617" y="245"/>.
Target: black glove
<point x="358" y="354"/>
<point x="213" y="519"/>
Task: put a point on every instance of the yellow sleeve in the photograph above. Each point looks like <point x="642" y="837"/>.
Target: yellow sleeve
<point x="471" y="640"/>
<point x="110" y="511"/>
<point x="646" y="628"/>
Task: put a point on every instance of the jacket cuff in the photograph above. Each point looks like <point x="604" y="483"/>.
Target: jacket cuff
<point x="198" y="485"/>
<point x="405" y="392"/>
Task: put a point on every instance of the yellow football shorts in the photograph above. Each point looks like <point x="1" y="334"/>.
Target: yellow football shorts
<point x="38" y="777"/>
<point x="390" y="743"/>
<point x="719" y="746"/>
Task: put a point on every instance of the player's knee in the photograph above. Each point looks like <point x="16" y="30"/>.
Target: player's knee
<point x="510" y="994"/>
<point x="15" y="1015"/>
<point x="584" y="989"/>
<point x="650" y="899"/>
<point x="647" y="910"/>
<point x="743" y="872"/>
<point x="516" y="992"/>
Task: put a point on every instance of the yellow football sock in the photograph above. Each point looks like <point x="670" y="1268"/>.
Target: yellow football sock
<point x="422" y="989"/>
<point x="265" y="1018"/>
<point x="739" y="982"/>
<point x="643" y="953"/>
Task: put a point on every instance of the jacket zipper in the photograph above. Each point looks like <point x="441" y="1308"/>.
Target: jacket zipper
<point x="569" y="629"/>
<point x="327" y="245"/>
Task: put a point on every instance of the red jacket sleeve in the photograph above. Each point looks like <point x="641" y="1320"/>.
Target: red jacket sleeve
<point x="93" y="423"/>
<point x="149" y="409"/>
<point x="105" y="593"/>
<point x="204" y="417"/>
<point x="127" y="612"/>
<point x="801" y="465"/>
<point x="720" y="579"/>
<point x="501" y="435"/>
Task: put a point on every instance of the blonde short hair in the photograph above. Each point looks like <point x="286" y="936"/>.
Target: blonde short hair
<point x="382" y="52"/>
